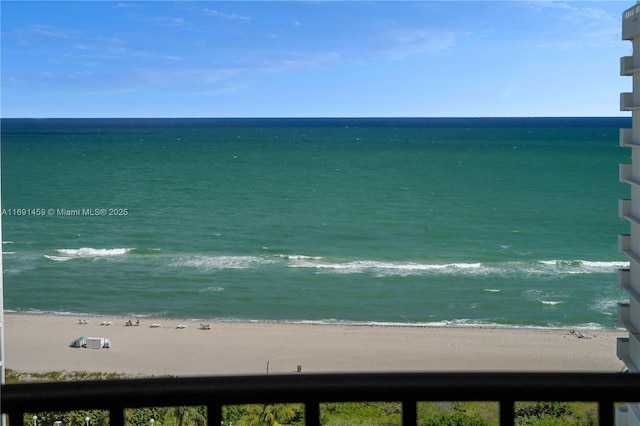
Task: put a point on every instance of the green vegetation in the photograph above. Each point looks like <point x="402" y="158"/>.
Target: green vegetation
<point x="331" y="414"/>
<point x="269" y="415"/>
<point x="458" y="413"/>
<point x="361" y="413"/>
<point x="556" y="413"/>
<point x="12" y="376"/>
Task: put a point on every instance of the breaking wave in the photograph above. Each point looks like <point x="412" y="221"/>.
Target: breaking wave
<point x="389" y="268"/>
<point x="208" y="263"/>
<point x="581" y="266"/>
<point x="86" y="252"/>
<point x="382" y="268"/>
<point x="339" y="266"/>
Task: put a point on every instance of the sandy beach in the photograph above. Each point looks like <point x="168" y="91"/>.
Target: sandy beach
<point x="39" y="343"/>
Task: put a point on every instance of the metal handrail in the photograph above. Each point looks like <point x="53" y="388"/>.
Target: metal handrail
<point x="312" y="389"/>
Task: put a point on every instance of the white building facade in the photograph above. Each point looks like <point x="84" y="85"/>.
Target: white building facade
<point x="628" y="349"/>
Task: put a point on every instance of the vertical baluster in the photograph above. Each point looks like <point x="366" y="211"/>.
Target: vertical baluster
<point x="214" y="415"/>
<point x="605" y="413"/>
<point x="116" y="416"/>
<point x="409" y="413"/>
<point x="507" y="413"/>
<point x="15" y="418"/>
<point x="312" y="413"/>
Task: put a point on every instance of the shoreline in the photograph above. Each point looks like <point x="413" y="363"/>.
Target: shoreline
<point x="178" y="347"/>
<point x="338" y="323"/>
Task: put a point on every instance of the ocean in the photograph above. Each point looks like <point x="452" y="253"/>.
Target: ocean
<point x="507" y="222"/>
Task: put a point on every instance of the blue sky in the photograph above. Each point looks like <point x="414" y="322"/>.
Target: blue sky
<point x="312" y="59"/>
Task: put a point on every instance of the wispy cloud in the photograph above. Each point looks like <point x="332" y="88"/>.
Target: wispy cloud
<point x="218" y="14"/>
<point x="403" y="44"/>
<point x="127" y="5"/>
<point x="76" y="47"/>
<point x="578" y="26"/>
<point x="47" y="31"/>
<point x="224" y="89"/>
<point x="176" y="77"/>
<point x="284" y="61"/>
<point x="165" y="21"/>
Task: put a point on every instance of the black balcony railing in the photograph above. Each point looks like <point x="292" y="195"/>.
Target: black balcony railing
<point x="313" y="389"/>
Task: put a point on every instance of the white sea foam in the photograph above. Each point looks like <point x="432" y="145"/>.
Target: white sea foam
<point x="605" y="305"/>
<point x="454" y="323"/>
<point x="547" y="298"/>
<point x="387" y="268"/>
<point x="299" y="257"/>
<point x="57" y="258"/>
<point x="604" y="266"/>
<point x="86" y="252"/>
<point x="383" y="268"/>
<point x="582" y="266"/>
<point x="212" y="289"/>
<point x="208" y="263"/>
<point x="327" y="265"/>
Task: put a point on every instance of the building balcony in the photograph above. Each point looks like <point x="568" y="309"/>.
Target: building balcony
<point x="626" y="138"/>
<point x="622" y="351"/>
<point x="624" y="278"/>
<point x="627" y="103"/>
<point x="624" y="244"/>
<point x="624" y="310"/>
<point x="625" y="213"/>
<point x="624" y="317"/>
<point x="624" y="208"/>
<point x="628" y="349"/>
<point x="115" y="396"/>
<point x="627" y="66"/>
<point x="624" y="247"/>
<point x="625" y="172"/>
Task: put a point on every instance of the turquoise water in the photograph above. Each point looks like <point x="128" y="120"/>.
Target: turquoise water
<point x="412" y="221"/>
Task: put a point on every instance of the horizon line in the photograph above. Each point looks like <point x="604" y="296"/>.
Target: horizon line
<point x="310" y="117"/>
